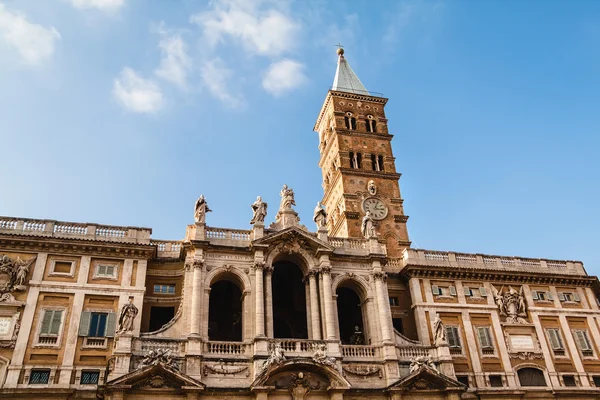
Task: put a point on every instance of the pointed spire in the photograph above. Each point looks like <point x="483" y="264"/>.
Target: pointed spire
<point x="345" y="79"/>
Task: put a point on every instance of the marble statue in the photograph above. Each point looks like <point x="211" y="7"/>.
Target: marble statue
<point x="368" y="226"/>
<point x="17" y="271"/>
<point x="160" y="356"/>
<point x="275" y="357"/>
<point x="320" y="356"/>
<point x="511" y="304"/>
<point x="320" y="216"/>
<point x="259" y="208"/>
<point x="287" y="198"/>
<point x="439" y="331"/>
<point x="357" y="337"/>
<point x="420" y="362"/>
<point x="201" y="209"/>
<point x="372" y="188"/>
<point x="127" y="316"/>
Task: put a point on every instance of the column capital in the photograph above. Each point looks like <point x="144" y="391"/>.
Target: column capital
<point x="380" y="275"/>
<point x="268" y="269"/>
<point x="312" y="273"/>
<point x="198" y="264"/>
<point x="325" y="269"/>
<point x="259" y="265"/>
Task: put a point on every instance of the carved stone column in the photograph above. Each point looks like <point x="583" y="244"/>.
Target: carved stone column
<point x="382" y="302"/>
<point x="269" y="300"/>
<point x="196" y="297"/>
<point x="260" y="306"/>
<point x="314" y="305"/>
<point x="329" y="318"/>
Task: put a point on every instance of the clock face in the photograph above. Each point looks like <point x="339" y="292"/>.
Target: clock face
<point x="376" y="207"/>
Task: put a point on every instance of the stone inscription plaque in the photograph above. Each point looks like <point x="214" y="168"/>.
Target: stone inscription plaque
<point x="522" y="342"/>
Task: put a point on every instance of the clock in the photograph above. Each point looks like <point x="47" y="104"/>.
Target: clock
<point x="376" y="207"/>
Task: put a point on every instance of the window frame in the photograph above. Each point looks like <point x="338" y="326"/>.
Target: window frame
<point x="34" y="370"/>
<point x="556" y="351"/>
<point x="40" y="324"/>
<point x="113" y="277"/>
<point x="168" y="285"/>
<point x="456" y="334"/>
<point x="88" y="371"/>
<point x="52" y="271"/>
<point x="589" y="352"/>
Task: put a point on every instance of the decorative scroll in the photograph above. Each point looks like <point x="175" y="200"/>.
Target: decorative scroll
<point x="222" y="369"/>
<point x="363" y="370"/>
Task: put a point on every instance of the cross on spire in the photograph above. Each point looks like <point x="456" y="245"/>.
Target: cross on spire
<point x="340" y="49"/>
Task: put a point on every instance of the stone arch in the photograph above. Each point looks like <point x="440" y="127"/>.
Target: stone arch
<point x="297" y="366"/>
<point x="390" y="239"/>
<point x="362" y="314"/>
<point x="525" y="381"/>
<point x="298" y="256"/>
<point x="234" y="274"/>
<point x="356" y="282"/>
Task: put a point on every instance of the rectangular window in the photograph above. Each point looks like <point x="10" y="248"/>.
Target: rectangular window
<point x="453" y="339"/>
<point x="496" y="381"/>
<point x="394" y="301"/>
<point x="106" y="271"/>
<point x="468" y="291"/>
<point x="90" y="377"/>
<point x="60" y="267"/>
<point x="164" y="289"/>
<point x="436" y="290"/>
<point x="452" y="290"/>
<point x="39" y="376"/>
<point x="583" y="342"/>
<point x="485" y="340"/>
<point x="50" y="327"/>
<point x="596" y="380"/>
<point x="463" y="379"/>
<point x="569" y="380"/>
<point x="97" y="324"/>
<point x="555" y="341"/>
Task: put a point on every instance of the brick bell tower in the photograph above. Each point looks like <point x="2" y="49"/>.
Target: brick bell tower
<point x="359" y="173"/>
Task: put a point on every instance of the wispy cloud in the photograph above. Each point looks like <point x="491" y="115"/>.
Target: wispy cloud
<point x="175" y="63"/>
<point x="284" y="76"/>
<point x="136" y="93"/>
<point x="217" y="79"/>
<point x="103" y="5"/>
<point x="33" y="42"/>
<point x="260" y="30"/>
<point x="408" y="13"/>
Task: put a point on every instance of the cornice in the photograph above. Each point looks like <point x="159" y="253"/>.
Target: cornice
<point x="347" y="132"/>
<point x="333" y="93"/>
<point x="371" y="174"/>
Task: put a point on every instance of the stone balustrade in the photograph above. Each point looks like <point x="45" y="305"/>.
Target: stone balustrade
<point x="223" y="235"/>
<point x="75" y="230"/>
<point x="361" y="351"/>
<point x="167" y="248"/>
<point x="420" y="257"/>
<point x="297" y="347"/>
<point x="227" y="348"/>
<point x="410" y="352"/>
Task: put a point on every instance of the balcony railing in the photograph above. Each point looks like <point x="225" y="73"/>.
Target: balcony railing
<point x="227" y="348"/>
<point x="68" y="230"/>
<point x="358" y="351"/>
<point x="419" y="257"/>
<point x="223" y="234"/>
<point x="167" y="248"/>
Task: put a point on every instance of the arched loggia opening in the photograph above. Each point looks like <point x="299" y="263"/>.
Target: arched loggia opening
<point x="225" y="312"/>
<point x="289" y="301"/>
<point x="350" y="316"/>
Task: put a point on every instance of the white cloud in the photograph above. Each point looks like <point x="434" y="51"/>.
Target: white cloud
<point x="175" y="62"/>
<point x="283" y="76"/>
<point x="216" y="78"/>
<point x="262" y="31"/>
<point x="32" y="41"/>
<point x="104" y="5"/>
<point x="136" y="93"/>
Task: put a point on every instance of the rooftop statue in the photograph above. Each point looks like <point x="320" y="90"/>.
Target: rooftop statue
<point x="320" y="216"/>
<point x="287" y="198"/>
<point x="201" y="209"/>
<point x="259" y="208"/>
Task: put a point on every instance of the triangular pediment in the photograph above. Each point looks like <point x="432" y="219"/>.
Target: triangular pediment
<point x="426" y="378"/>
<point x="292" y="238"/>
<point x="154" y="377"/>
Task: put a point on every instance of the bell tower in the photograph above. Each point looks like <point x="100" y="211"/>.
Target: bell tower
<point x="359" y="173"/>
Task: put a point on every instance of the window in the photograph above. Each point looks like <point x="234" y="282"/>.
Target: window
<point x="443" y="291"/>
<point x="468" y="291"/>
<point x="583" y="342"/>
<point x="394" y="301"/>
<point x="555" y="341"/>
<point x="496" y="381"/>
<point x="358" y="160"/>
<point x="50" y="328"/>
<point x="89" y="377"/>
<point x="62" y="267"/>
<point x="106" y="271"/>
<point x="453" y="338"/>
<point x="568" y="297"/>
<point x="452" y="290"/>
<point x="398" y="325"/>
<point x="485" y="340"/>
<point x="464" y="379"/>
<point x="380" y="163"/>
<point x="436" y="290"/>
<point x="596" y="380"/>
<point x="374" y="162"/>
<point x="569" y="380"/>
<point x="97" y="325"/>
<point x="539" y="295"/>
<point x="482" y="292"/>
<point x="371" y="124"/>
<point x="164" y="289"/>
<point x="39" y="376"/>
<point x="531" y="377"/>
<point x="355" y="160"/>
<point x="350" y="121"/>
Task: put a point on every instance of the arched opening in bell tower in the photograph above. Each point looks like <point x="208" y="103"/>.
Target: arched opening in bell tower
<point x="289" y="301"/>
<point x="225" y="312"/>
<point x="350" y="316"/>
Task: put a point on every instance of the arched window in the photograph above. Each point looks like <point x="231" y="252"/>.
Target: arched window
<point x="380" y="163"/>
<point x="374" y="162"/>
<point x="289" y="301"/>
<point x="350" y="317"/>
<point x="359" y="160"/>
<point x="531" y="377"/>
<point x="371" y="124"/>
<point x="350" y="121"/>
<point x="352" y="160"/>
<point x="225" y="312"/>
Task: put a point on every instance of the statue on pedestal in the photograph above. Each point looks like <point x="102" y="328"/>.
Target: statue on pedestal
<point x="368" y="226"/>
<point x="259" y="208"/>
<point x="287" y="198"/>
<point x="439" y="331"/>
<point x="320" y="216"/>
<point x="201" y="209"/>
<point x="128" y="314"/>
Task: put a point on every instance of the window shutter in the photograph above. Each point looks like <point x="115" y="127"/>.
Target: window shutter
<point x="549" y="296"/>
<point x="582" y="339"/>
<point x="450" y="336"/>
<point x="534" y="294"/>
<point x="482" y="291"/>
<point x="452" y="290"/>
<point x="101" y="270"/>
<point x="435" y="289"/>
<point x="467" y="291"/>
<point x="555" y="341"/>
<point x="46" y="321"/>
<point x="110" y="270"/>
<point x="84" y="323"/>
<point x="576" y="296"/>
<point x="56" y="320"/>
<point x="561" y="296"/>
<point x="111" y="322"/>
<point x="484" y="337"/>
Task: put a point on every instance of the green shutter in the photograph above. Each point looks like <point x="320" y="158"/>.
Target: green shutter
<point x="467" y="291"/>
<point x="582" y="339"/>
<point x="484" y="338"/>
<point x="576" y="296"/>
<point x="46" y="321"/>
<point x="56" y="321"/>
<point x="452" y="290"/>
<point x="435" y="289"/>
<point x="84" y="323"/>
<point x="534" y="295"/>
<point x="111" y="322"/>
<point x="482" y="291"/>
<point x="561" y="296"/>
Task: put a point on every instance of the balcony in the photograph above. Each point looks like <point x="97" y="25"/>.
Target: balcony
<point x="167" y="248"/>
<point x="74" y="230"/>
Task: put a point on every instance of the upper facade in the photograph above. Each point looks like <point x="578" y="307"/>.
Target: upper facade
<point x="281" y="311"/>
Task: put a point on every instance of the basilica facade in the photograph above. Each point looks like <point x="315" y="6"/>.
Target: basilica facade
<point x="343" y="308"/>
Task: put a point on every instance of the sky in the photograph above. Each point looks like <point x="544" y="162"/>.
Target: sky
<point x="123" y="112"/>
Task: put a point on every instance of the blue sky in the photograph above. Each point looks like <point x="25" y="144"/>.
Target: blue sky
<point x="124" y="111"/>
